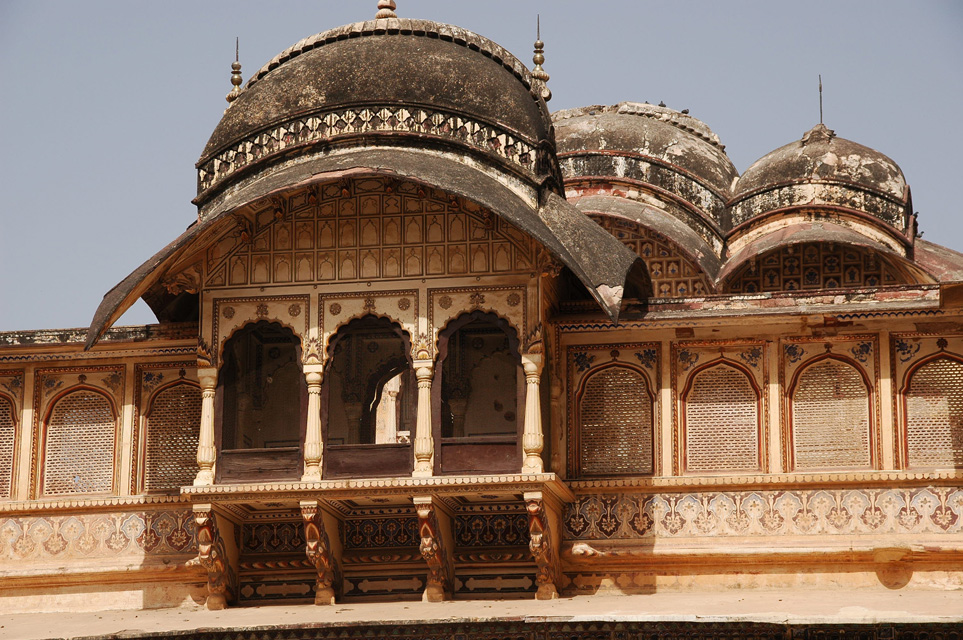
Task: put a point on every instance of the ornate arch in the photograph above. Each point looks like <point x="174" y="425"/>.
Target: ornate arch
<point x="617" y="446"/>
<point x="174" y="438"/>
<point x="934" y="453"/>
<point x="703" y="448"/>
<point x="827" y="438"/>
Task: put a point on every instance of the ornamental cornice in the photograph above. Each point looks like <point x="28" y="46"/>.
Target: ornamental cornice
<point x="335" y="124"/>
<point x="89" y="504"/>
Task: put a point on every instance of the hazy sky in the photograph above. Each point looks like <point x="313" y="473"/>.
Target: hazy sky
<point x="106" y="105"/>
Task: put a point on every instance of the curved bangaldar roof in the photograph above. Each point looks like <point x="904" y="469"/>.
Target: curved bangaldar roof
<point x="390" y="79"/>
<point x="822" y="169"/>
<point x="668" y="149"/>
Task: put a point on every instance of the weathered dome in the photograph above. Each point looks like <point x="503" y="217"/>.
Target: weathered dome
<point x="390" y="78"/>
<point x="823" y="169"/>
<point x="661" y="134"/>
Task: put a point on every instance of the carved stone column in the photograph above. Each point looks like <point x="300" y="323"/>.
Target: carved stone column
<point x="542" y="523"/>
<point x="206" y="452"/>
<point x="321" y="553"/>
<point x="458" y="407"/>
<point x="434" y="527"/>
<point x="313" y="447"/>
<point x="424" y="444"/>
<point x="213" y="556"/>
<point x="532" y="439"/>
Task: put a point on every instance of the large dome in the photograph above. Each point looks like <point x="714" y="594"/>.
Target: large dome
<point x="389" y="77"/>
<point x="823" y="169"/>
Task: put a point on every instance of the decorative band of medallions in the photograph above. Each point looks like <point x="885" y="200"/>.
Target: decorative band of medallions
<point x="307" y="130"/>
<point x="814" y="194"/>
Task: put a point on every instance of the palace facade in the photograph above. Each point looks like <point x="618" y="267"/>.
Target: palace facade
<point x="428" y="340"/>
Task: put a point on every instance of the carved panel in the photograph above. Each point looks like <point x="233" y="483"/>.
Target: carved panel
<point x="793" y="512"/>
<point x="673" y="274"/>
<point x="491" y="529"/>
<point x="365" y="229"/>
<point x="96" y="535"/>
<point x="813" y="266"/>
<point x="720" y="410"/>
<point x="611" y="407"/>
<point x="510" y="303"/>
<point x="928" y="380"/>
<point x="829" y="416"/>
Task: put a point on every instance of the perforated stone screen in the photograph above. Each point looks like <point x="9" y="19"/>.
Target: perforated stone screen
<point x="7" y="444"/>
<point x="830" y="417"/>
<point x="934" y="415"/>
<point x="615" y="424"/>
<point x="721" y="422"/>
<point x="173" y="425"/>
<point x="79" y="452"/>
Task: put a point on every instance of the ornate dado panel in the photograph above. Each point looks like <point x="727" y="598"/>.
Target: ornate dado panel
<point x="508" y="302"/>
<point x="231" y="314"/>
<point x="331" y="125"/>
<point x="366" y="229"/>
<point x="127" y="534"/>
<point x="719" y="385"/>
<point x="150" y="380"/>
<point x="861" y="352"/>
<point x="673" y="274"/>
<point x="50" y="385"/>
<point x="612" y="432"/>
<point x="11" y="410"/>
<point x="927" y="373"/>
<point x="337" y="309"/>
<point x="794" y="512"/>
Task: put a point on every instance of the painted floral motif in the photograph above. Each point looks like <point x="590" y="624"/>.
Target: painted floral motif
<point x="905" y="350"/>
<point x="583" y="361"/>
<point x="752" y="356"/>
<point x="741" y="513"/>
<point x="862" y="351"/>
<point x="13" y="386"/>
<point x="152" y="380"/>
<point x="794" y="353"/>
<point x="335" y="309"/>
<point x="404" y="304"/>
<point x="294" y="310"/>
<point x="476" y="299"/>
<point x="261" y="311"/>
<point x="646" y="358"/>
<point x="228" y="312"/>
<point x="445" y="302"/>
<point x="688" y="359"/>
<point x="97" y="535"/>
<point x="513" y="299"/>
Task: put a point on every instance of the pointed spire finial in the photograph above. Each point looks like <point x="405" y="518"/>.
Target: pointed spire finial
<point x="236" y="78"/>
<point x="386" y="9"/>
<point x="538" y="73"/>
<point x="820" y="98"/>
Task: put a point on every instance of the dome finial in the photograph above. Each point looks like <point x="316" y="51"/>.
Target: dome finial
<point x="538" y="73"/>
<point x="386" y="9"/>
<point x="236" y="78"/>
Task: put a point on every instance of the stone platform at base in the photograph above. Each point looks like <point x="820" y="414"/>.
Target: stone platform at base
<point x="783" y="615"/>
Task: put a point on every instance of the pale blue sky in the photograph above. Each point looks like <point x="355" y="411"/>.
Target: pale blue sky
<point x="106" y="104"/>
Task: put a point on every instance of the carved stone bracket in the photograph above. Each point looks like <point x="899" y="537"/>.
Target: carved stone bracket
<point x="212" y="555"/>
<point x="321" y="553"/>
<point x="542" y="524"/>
<point x="434" y="529"/>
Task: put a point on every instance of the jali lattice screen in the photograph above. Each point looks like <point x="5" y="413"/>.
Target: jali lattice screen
<point x="7" y="444"/>
<point x="173" y="425"/>
<point x="721" y="422"/>
<point x="79" y="449"/>
<point x="615" y="424"/>
<point x="830" y="418"/>
<point x="934" y="415"/>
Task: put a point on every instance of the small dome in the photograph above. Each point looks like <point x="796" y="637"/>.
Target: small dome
<point x="823" y="170"/>
<point x="821" y="156"/>
<point x="387" y="77"/>
<point x="665" y="135"/>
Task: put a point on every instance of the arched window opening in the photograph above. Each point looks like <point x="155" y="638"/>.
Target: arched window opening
<point x="79" y="445"/>
<point x="721" y="422"/>
<point x="172" y="424"/>
<point x="830" y="418"/>
<point x="934" y="415"/>
<point x="8" y="441"/>
<point x="262" y="404"/>
<point x="615" y="424"/>
<point x="370" y="400"/>
<point x="480" y="394"/>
